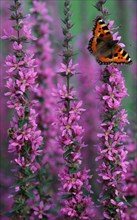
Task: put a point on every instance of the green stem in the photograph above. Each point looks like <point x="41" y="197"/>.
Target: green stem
<point x="68" y="90"/>
<point x="17" y="22"/>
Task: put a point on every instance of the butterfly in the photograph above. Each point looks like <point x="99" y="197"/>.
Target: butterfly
<point x="104" y="48"/>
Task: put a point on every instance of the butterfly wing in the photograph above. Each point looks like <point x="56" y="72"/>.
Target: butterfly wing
<point x="118" y="55"/>
<point x="101" y="33"/>
<point x="104" y="60"/>
<point x="98" y="45"/>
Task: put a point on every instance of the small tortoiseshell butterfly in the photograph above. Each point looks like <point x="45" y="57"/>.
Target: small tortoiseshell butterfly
<point x="104" y="48"/>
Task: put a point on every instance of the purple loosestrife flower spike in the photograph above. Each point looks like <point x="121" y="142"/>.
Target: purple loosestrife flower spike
<point x="52" y="156"/>
<point x="75" y="188"/>
<point x="112" y="153"/>
<point x="25" y="138"/>
<point x="90" y="119"/>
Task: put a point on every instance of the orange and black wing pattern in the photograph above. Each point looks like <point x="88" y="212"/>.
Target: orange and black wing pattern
<point x="118" y="55"/>
<point x="100" y="33"/>
<point x="104" y="48"/>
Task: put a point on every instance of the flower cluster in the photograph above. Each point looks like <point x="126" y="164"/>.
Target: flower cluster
<point x="50" y="179"/>
<point x="66" y="70"/>
<point x="39" y="211"/>
<point x="90" y="119"/>
<point x="51" y="157"/>
<point x="116" y="34"/>
<point x="25" y="138"/>
<point x="112" y="154"/>
<point x="75" y="183"/>
<point x="75" y="189"/>
<point x="46" y="77"/>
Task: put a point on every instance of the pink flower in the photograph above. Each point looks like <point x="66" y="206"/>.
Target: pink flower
<point x="13" y="64"/>
<point x="8" y="34"/>
<point x="68" y="70"/>
<point x="51" y="156"/>
<point x="12" y="88"/>
<point x="74" y="180"/>
<point x="63" y="93"/>
<point x="15" y="104"/>
<point x="29" y="60"/>
<point x="17" y="46"/>
<point x="41" y="8"/>
<point x="24" y="134"/>
<point x="21" y="162"/>
<point x="115" y="35"/>
<point x="108" y="132"/>
<point x="41" y="210"/>
<point x="111" y="98"/>
<point x="112" y="155"/>
<point x="27" y="79"/>
<point x="35" y="167"/>
<point x="24" y="137"/>
<point x="76" y="108"/>
<point x="27" y="28"/>
<point x="15" y="146"/>
<point x="67" y="126"/>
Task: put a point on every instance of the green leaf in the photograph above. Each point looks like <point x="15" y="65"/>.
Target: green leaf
<point x="107" y="194"/>
<point x="76" y="143"/>
<point x="73" y="170"/>
<point x="22" y="122"/>
<point x="67" y="152"/>
<point x="27" y="171"/>
<point x="18" y="207"/>
<point x="30" y="194"/>
<point x="124" y="201"/>
<point x="112" y="210"/>
<point x="67" y="196"/>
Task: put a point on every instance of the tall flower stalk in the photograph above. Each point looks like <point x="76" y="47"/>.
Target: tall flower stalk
<point x="75" y="189"/>
<point x="51" y="158"/>
<point x="46" y="79"/>
<point x="25" y="138"/>
<point x="112" y="153"/>
<point x="90" y="119"/>
<point x="111" y="149"/>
